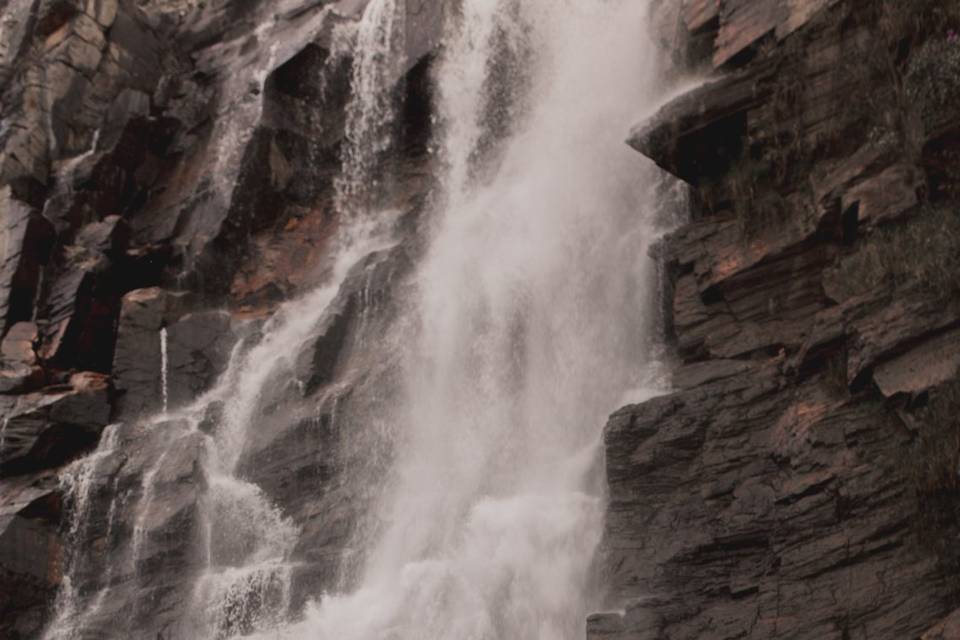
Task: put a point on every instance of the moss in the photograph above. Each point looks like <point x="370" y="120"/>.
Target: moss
<point x="923" y="252"/>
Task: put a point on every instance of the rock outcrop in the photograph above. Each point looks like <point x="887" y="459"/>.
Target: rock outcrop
<point x="801" y="481"/>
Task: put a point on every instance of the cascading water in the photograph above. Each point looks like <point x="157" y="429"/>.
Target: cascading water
<point x="378" y="62"/>
<point x="535" y="302"/>
<point x="77" y="482"/>
<point x="244" y="583"/>
<point x="248" y="542"/>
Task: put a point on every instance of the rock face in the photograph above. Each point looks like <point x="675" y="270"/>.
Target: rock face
<point x="166" y="180"/>
<point x="801" y="481"/>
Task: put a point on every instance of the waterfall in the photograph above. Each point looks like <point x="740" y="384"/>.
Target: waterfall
<point x="535" y="302"/>
<point x="530" y="310"/>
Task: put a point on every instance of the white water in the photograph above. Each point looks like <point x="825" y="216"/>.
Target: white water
<point x="249" y="541"/>
<point x="378" y="61"/>
<point x="77" y="484"/>
<point x="533" y="308"/>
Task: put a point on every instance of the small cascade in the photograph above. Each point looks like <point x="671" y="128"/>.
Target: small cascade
<point x="70" y="610"/>
<point x="377" y="63"/>
<point x="164" y="366"/>
<point x="245" y="585"/>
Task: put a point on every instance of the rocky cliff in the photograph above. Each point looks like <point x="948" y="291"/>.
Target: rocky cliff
<point x="802" y="480"/>
<point x="168" y="178"/>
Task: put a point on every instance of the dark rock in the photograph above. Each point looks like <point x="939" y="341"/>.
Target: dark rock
<point x="199" y="346"/>
<point x="797" y="463"/>
<point x="700" y="134"/>
<point x="26" y="242"/>
<point x="30" y="553"/>
<point x="949" y="628"/>
<point x="730" y="500"/>
<point x="79" y="302"/>
<point x="48" y="428"/>
<point x="137" y="360"/>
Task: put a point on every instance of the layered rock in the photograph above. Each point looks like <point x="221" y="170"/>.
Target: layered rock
<point x="801" y="480"/>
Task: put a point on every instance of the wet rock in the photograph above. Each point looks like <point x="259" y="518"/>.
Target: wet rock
<point x="137" y="360"/>
<point x="79" y="301"/>
<point x="45" y="429"/>
<point x="212" y="417"/>
<point x="30" y="553"/>
<point x="199" y="346"/>
<point x="19" y="368"/>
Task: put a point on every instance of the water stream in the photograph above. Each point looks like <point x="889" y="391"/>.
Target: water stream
<point x="164" y="371"/>
<point x="377" y="63"/>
